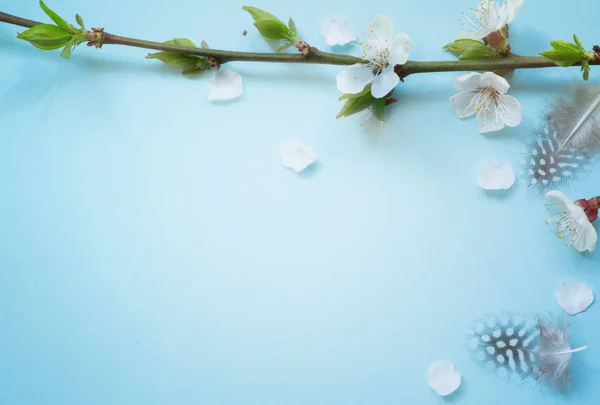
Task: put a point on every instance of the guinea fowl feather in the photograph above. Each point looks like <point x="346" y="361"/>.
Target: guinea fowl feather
<point x="566" y="142"/>
<point x="524" y="349"/>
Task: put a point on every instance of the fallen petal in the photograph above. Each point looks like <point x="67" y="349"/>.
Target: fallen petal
<point x="574" y="297"/>
<point x="496" y="175"/>
<point x="336" y="32"/>
<point x="297" y="155"/>
<point x="224" y="85"/>
<point x="443" y="377"/>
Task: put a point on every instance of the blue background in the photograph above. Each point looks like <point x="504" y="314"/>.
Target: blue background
<point x="154" y="250"/>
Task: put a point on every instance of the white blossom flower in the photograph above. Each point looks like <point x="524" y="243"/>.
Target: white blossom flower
<point x="336" y="32"/>
<point x="572" y="223"/>
<point x="224" y="85"/>
<point x="484" y="95"/>
<point x="490" y="17"/>
<point x="381" y="54"/>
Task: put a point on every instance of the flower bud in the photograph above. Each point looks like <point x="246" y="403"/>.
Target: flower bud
<point x="497" y="39"/>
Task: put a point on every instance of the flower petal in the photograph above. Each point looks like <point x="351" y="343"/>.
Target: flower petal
<point x="462" y="103"/>
<point x="589" y="236"/>
<point x="468" y="82"/>
<point x="496" y="175"/>
<point x="476" y="35"/>
<point x="443" y="377"/>
<point x="378" y="32"/>
<point x="353" y="79"/>
<point x="224" y="85"/>
<point x="336" y="32"/>
<point x="384" y="82"/>
<point x="495" y="81"/>
<point x="297" y="155"/>
<point x="574" y="297"/>
<point x="511" y="113"/>
<point x="399" y="49"/>
<point x="557" y="202"/>
<point x="489" y="120"/>
<point x="513" y="8"/>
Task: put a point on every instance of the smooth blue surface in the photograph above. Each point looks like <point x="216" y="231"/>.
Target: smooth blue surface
<point x="153" y="250"/>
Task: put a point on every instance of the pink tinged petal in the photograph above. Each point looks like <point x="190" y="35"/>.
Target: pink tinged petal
<point x="495" y="81"/>
<point x="468" y="82"/>
<point x="462" y="103"/>
<point x="378" y="32"/>
<point x="385" y="82"/>
<point x="224" y="85"/>
<point x="336" y="32"/>
<point x="476" y="35"/>
<point x="488" y="120"/>
<point x="353" y="79"/>
<point x="511" y="113"/>
<point x="399" y="49"/>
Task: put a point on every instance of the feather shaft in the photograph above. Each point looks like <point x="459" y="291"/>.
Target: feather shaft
<point x="580" y="122"/>
<point x="579" y="349"/>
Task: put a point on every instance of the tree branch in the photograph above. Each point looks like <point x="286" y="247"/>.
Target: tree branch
<point x="318" y="57"/>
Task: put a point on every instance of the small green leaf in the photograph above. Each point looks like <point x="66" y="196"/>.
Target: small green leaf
<point x="66" y="53"/>
<point x="181" y="42"/>
<point x="258" y="14"/>
<point x="79" y="20"/>
<point x="292" y="26"/>
<point x="55" y="17"/>
<point x="273" y="29"/>
<point x="363" y="92"/>
<point x="193" y="71"/>
<point x="378" y="109"/>
<point x="565" y="53"/>
<point x="357" y="104"/>
<point x="204" y="45"/>
<point x="578" y="41"/>
<point x="283" y="46"/>
<point x="470" y="49"/>
<point x="177" y="60"/>
<point x="46" y="36"/>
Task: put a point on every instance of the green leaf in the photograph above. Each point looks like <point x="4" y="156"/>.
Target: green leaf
<point x="55" y="17"/>
<point x="204" y="45"/>
<point x="578" y="41"/>
<point x="194" y="71"/>
<point x="292" y="26"/>
<point x="273" y="29"/>
<point x="355" y="105"/>
<point x="565" y="53"/>
<point x="283" y="46"/>
<point x="79" y="20"/>
<point x="46" y="36"/>
<point x="470" y="49"/>
<point x="258" y="14"/>
<point x="378" y="109"/>
<point x="181" y="42"/>
<point x="177" y="60"/>
<point x="363" y="92"/>
<point x="66" y="53"/>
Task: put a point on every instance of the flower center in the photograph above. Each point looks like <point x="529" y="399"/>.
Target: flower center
<point x="567" y="228"/>
<point x="485" y="96"/>
<point x="376" y="54"/>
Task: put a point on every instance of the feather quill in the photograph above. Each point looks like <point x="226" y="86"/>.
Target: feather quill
<point x="566" y="142"/>
<point x="522" y="349"/>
